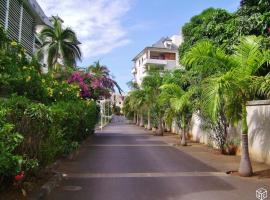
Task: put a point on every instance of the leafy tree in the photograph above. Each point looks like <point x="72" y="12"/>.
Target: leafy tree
<point x="59" y="43"/>
<point x="225" y="29"/>
<point x="229" y="92"/>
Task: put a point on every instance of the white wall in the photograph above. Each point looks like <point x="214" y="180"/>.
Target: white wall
<point x="259" y="130"/>
<point x="258" y="119"/>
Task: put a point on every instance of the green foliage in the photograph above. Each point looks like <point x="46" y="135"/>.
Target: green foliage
<point x="10" y="162"/>
<point x="59" y="42"/>
<point x="49" y="131"/>
<point x="225" y="29"/>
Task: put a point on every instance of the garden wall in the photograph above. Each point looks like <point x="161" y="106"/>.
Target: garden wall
<point x="258" y="119"/>
<point x="259" y="130"/>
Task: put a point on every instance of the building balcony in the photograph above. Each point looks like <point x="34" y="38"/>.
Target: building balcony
<point x="155" y="61"/>
<point x="134" y="71"/>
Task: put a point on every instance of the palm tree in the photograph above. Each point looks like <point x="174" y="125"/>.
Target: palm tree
<point x="180" y="105"/>
<point x="232" y="90"/>
<point x="59" y="43"/>
<point x="137" y="101"/>
<point x="98" y="70"/>
<point x="102" y="71"/>
<point x="151" y="85"/>
<point x="205" y="60"/>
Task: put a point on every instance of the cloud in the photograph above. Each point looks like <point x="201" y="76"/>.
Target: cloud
<point x="98" y="23"/>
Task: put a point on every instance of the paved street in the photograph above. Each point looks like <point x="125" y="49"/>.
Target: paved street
<point x="125" y="162"/>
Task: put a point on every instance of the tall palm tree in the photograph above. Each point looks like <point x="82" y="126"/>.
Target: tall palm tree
<point x="232" y="89"/>
<point x="59" y="43"/>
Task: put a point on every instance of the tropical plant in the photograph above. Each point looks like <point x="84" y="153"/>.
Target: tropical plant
<point x="59" y="43"/>
<point x="229" y="92"/>
<point x="137" y="100"/>
<point x="151" y="85"/>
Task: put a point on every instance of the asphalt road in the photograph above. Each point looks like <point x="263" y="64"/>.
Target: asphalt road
<point x="124" y="162"/>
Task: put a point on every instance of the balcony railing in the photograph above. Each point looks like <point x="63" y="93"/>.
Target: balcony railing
<point x="155" y="61"/>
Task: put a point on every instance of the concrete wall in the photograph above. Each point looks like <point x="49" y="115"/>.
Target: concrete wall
<point x="258" y="119"/>
<point x="259" y="130"/>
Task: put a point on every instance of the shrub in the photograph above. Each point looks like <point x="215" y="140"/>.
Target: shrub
<point x="50" y="130"/>
<point x="78" y="118"/>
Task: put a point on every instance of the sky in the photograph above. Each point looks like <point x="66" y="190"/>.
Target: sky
<point x="115" y="31"/>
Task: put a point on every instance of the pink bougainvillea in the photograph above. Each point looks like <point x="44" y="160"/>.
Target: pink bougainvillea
<point x="91" y="86"/>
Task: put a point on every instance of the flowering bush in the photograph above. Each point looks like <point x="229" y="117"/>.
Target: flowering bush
<point x="92" y="87"/>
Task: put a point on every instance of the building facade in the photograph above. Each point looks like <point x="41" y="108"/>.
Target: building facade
<point x="118" y="99"/>
<point x="163" y="55"/>
<point x="19" y="19"/>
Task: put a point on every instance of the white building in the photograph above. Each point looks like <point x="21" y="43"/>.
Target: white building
<point x="19" y="19"/>
<point x="118" y="99"/>
<point x="162" y="55"/>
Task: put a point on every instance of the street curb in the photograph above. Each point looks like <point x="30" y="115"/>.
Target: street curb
<point x="52" y="183"/>
<point x="47" y="188"/>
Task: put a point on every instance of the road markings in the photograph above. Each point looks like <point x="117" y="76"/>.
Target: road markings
<point x="128" y="145"/>
<point x="138" y="175"/>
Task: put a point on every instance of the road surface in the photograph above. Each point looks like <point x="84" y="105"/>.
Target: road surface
<point x="125" y="162"/>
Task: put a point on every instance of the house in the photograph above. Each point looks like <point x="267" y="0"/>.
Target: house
<point x="19" y="19"/>
<point x="162" y="55"/>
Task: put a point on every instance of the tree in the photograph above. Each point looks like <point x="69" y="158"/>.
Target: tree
<point x="98" y="70"/>
<point x="231" y="91"/>
<point x="59" y="43"/>
<point x="205" y="59"/>
<point x="224" y="29"/>
<point x="177" y="91"/>
<point x="137" y="103"/>
<point x="151" y="84"/>
<point x="101" y="72"/>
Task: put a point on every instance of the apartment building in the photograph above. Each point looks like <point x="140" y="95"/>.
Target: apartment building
<point x="162" y="55"/>
<point x="19" y="18"/>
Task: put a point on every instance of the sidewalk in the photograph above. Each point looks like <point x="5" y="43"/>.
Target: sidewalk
<point x="212" y="157"/>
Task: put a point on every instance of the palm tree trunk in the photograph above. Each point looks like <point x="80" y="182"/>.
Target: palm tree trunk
<point x="160" y="127"/>
<point x="141" y="120"/>
<point x="149" y="120"/>
<point x="138" y="120"/>
<point x="134" y="118"/>
<point x="183" y="139"/>
<point x="245" y="168"/>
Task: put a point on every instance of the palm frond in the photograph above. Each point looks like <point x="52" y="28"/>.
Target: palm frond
<point x="207" y="58"/>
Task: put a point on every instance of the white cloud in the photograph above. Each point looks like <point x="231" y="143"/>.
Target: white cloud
<point x="98" y="23"/>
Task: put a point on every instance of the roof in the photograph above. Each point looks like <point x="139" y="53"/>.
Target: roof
<point x="37" y="11"/>
<point x="161" y="43"/>
<point x="159" y="46"/>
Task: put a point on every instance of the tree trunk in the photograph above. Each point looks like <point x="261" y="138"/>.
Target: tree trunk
<point x="183" y="139"/>
<point x="141" y="120"/>
<point x="134" y="118"/>
<point x="149" y="120"/>
<point x="138" y="120"/>
<point x="245" y="168"/>
<point x="160" y="128"/>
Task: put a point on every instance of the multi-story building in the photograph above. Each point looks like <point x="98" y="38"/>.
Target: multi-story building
<point x="19" y="18"/>
<point x="162" y="55"/>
